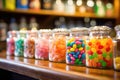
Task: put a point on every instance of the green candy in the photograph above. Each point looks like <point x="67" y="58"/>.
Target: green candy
<point x="104" y="54"/>
<point x="77" y="61"/>
<point x="95" y="55"/>
<point x="68" y="43"/>
<point x="104" y="64"/>
<point x="78" y="46"/>
<point x="87" y="48"/>
<point x="80" y="63"/>
<point x="91" y="57"/>
<point x="111" y="55"/>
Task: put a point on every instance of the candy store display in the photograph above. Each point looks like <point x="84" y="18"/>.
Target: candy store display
<point x="19" y="43"/>
<point x="117" y="49"/>
<point x="42" y="44"/>
<point x="29" y="44"/>
<point x="99" y="48"/>
<point x="11" y="42"/>
<point x="75" y="54"/>
<point x="57" y="45"/>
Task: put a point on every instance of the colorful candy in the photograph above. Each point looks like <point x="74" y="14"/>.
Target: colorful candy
<point x="117" y="63"/>
<point x="42" y="48"/>
<point x="19" y="47"/>
<point x="11" y="42"/>
<point x="75" y="52"/>
<point x="29" y="48"/>
<point x="99" y="53"/>
<point x="57" y="49"/>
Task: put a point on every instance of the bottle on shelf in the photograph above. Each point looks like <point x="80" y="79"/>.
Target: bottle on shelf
<point x="70" y="7"/>
<point x="22" y="4"/>
<point x="58" y="6"/>
<point x="13" y="24"/>
<point x="90" y="5"/>
<point x="109" y="9"/>
<point x="34" y="4"/>
<point x="33" y="24"/>
<point x="23" y="25"/>
<point x="10" y="4"/>
<point x="3" y="30"/>
<point x="80" y="6"/>
<point x="47" y="4"/>
<point x="99" y="8"/>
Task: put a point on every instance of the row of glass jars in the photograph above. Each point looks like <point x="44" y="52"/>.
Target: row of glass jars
<point x="74" y="47"/>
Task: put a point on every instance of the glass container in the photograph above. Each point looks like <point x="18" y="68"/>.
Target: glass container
<point x="29" y="44"/>
<point x="42" y="44"/>
<point x="117" y="49"/>
<point x="57" y="47"/>
<point x="11" y="42"/>
<point x="19" y="43"/>
<point x="99" y="48"/>
<point x="75" y="54"/>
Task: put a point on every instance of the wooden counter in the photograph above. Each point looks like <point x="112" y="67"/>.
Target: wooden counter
<point x="46" y="70"/>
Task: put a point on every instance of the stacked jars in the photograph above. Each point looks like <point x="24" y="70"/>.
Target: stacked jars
<point x="117" y="49"/>
<point x="75" y="54"/>
<point x="99" y="48"/>
<point x="29" y="44"/>
<point x="42" y="44"/>
<point x="11" y="42"/>
<point x="57" y="45"/>
<point x="19" y="43"/>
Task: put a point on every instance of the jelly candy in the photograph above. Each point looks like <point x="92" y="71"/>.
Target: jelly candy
<point x="77" y="52"/>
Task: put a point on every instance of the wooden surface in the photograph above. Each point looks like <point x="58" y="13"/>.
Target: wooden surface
<point x="46" y="70"/>
<point x="55" y="13"/>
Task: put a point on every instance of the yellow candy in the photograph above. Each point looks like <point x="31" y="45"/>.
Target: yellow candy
<point x="72" y="49"/>
<point x="74" y="46"/>
<point x="80" y="48"/>
<point x="117" y="60"/>
<point x="72" y="39"/>
<point x="117" y="66"/>
<point x="68" y="51"/>
<point x="107" y="57"/>
<point x="93" y="49"/>
<point x="96" y="59"/>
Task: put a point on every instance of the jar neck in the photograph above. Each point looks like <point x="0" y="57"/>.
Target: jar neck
<point x="100" y="34"/>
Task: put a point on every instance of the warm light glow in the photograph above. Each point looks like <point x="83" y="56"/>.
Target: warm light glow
<point x="98" y="2"/>
<point x="90" y="3"/>
<point x="79" y="2"/>
<point x="109" y="5"/>
<point x="70" y="2"/>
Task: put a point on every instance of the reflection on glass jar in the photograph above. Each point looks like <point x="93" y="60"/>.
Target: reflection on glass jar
<point x="75" y="54"/>
<point x="42" y="44"/>
<point x="29" y="44"/>
<point x="57" y="45"/>
<point x="11" y="42"/>
<point x="117" y="49"/>
<point x="99" y="48"/>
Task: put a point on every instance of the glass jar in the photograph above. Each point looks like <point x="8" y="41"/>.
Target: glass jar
<point x="57" y="47"/>
<point x="29" y="44"/>
<point x="117" y="49"/>
<point x="75" y="54"/>
<point x="11" y="42"/>
<point x="19" y="43"/>
<point x="42" y="44"/>
<point x="99" y="48"/>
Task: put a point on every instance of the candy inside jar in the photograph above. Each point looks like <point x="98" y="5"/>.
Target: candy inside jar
<point x="75" y="54"/>
<point x="29" y="44"/>
<point x="11" y="42"/>
<point x="99" y="48"/>
<point x="42" y="44"/>
<point x="117" y="49"/>
<point x="57" y="47"/>
<point x="19" y="43"/>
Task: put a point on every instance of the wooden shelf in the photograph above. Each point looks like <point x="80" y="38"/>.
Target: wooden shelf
<point x="45" y="70"/>
<point x="54" y="13"/>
